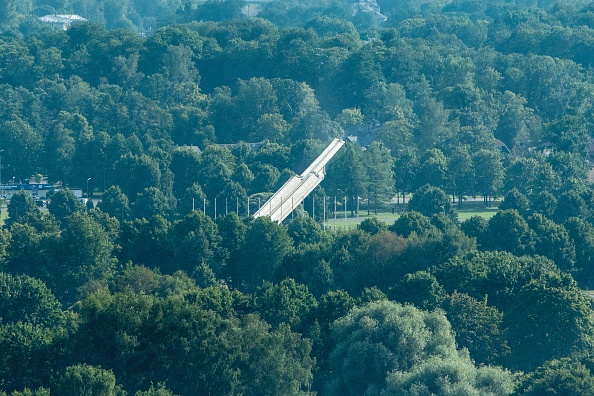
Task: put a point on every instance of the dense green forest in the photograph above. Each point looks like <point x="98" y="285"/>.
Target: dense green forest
<point x="170" y="111"/>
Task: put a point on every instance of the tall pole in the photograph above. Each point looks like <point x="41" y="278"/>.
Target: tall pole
<point x="204" y="206"/>
<point x="215" y="208"/>
<point x="325" y="197"/>
<point x="88" y="187"/>
<point x="313" y="207"/>
<point x="345" y="211"/>
<point x="335" y="213"/>
<point x="1" y="151"/>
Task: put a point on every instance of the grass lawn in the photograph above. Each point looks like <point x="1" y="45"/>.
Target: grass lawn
<point x="469" y="209"/>
<point x="476" y="208"/>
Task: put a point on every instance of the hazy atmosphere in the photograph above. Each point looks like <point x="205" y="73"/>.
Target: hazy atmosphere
<point x="296" y="197"/>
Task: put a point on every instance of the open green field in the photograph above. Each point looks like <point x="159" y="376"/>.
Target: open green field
<point x="469" y="209"/>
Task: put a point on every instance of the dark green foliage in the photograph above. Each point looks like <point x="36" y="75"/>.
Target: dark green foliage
<point x="88" y="380"/>
<point x="84" y="254"/>
<point x="28" y="300"/>
<point x="308" y="265"/>
<point x="420" y="289"/>
<point x="514" y="199"/>
<point x="380" y="177"/>
<point x="262" y="252"/>
<point x="115" y="203"/>
<point x="582" y="234"/>
<point x="25" y="141"/>
<point x="558" y="377"/>
<point x="370" y="295"/>
<point x="20" y="206"/>
<point x="429" y="200"/>
<point x="192" y="199"/>
<point x="287" y="302"/>
<point x="373" y="226"/>
<point x="64" y="203"/>
<point x="498" y="275"/>
<point x="305" y="230"/>
<point x="509" y="231"/>
<point x="473" y="98"/>
<point x="410" y="222"/>
<point x="146" y="242"/>
<point x="351" y="180"/>
<point x="553" y="241"/>
<point x="478" y="328"/>
<point x="544" y="203"/>
<point x="150" y="202"/>
<point x="195" y="240"/>
<point x="550" y="318"/>
<point x="29" y="355"/>
<point x="571" y="204"/>
<point x="170" y="339"/>
<point x="475" y="227"/>
<point x="135" y="173"/>
<point x="489" y="172"/>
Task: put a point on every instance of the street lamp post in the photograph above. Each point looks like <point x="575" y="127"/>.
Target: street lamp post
<point x="88" y="195"/>
<point x="1" y="151"/>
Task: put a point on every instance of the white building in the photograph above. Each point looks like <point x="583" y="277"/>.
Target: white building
<point x="62" y="21"/>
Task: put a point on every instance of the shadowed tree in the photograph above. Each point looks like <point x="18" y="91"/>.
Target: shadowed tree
<point x="115" y="203"/>
<point x="64" y="203"/>
<point x="265" y="245"/>
<point x="20" y="206"/>
<point x="86" y="380"/>
<point x="380" y="176"/>
<point x="429" y="200"/>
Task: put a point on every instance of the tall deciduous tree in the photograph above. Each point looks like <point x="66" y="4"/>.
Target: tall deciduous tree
<point x="26" y="143"/>
<point x="347" y="175"/>
<point x="429" y="200"/>
<point x="287" y="302"/>
<point x="489" y="173"/>
<point x="461" y="172"/>
<point x="406" y="165"/>
<point x="553" y="241"/>
<point x="83" y="254"/>
<point x="380" y="175"/>
<point x="135" y="173"/>
<point x="434" y="169"/>
<point x="8" y="12"/>
<point x="266" y="244"/>
<point x="86" y="380"/>
<point x="508" y="231"/>
<point x="115" y="203"/>
<point x="387" y="346"/>
<point x="478" y="328"/>
<point x="64" y="203"/>
<point x="21" y="205"/>
<point x="537" y="333"/>
<point x="558" y="377"/>
<point x="195" y="240"/>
